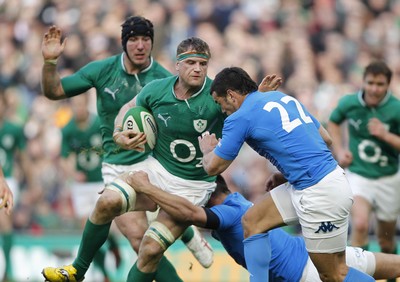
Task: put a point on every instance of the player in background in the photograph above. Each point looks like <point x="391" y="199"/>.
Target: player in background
<point x="371" y="155"/>
<point x="117" y="80"/>
<point x="12" y="143"/>
<point x="289" y="257"/>
<point x="81" y="160"/>
<point x="280" y="129"/>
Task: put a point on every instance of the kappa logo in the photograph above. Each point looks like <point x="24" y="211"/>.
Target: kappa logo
<point x="326" y="227"/>
<point x="164" y="118"/>
<point x="200" y="125"/>
<point x="355" y="124"/>
<point x="112" y="93"/>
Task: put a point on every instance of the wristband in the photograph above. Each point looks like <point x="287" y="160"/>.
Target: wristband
<point x="50" y="62"/>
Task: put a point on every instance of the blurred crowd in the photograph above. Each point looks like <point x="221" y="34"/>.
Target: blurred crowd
<point x="319" y="47"/>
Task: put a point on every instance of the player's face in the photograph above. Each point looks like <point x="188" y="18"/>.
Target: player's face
<point x="226" y="103"/>
<point x="192" y="71"/>
<point x="139" y="50"/>
<point x="375" y="88"/>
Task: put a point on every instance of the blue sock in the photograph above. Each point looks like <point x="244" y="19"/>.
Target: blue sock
<point x="355" y="275"/>
<point x="257" y="252"/>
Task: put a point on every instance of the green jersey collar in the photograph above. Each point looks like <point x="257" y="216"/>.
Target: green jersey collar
<point x="195" y="94"/>
<point x="143" y="70"/>
<point x="360" y="95"/>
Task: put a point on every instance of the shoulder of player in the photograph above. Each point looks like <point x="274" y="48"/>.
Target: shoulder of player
<point x="159" y="83"/>
<point x="163" y="72"/>
<point x="350" y="99"/>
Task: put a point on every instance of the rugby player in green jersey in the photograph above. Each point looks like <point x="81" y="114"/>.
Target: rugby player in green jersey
<point x="81" y="162"/>
<point x="117" y="80"/>
<point x="372" y="157"/>
<point x="12" y="145"/>
<point x="183" y="109"/>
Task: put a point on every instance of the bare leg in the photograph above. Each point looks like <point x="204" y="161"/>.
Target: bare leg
<point x="331" y="267"/>
<point x="360" y="215"/>
<point x="254" y="221"/>
<point x="387" y="266"/>
<point x="386" y="232"/>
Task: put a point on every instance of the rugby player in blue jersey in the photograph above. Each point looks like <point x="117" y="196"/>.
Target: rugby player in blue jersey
<point x="318" y="195"/>
<point x="289" y="257"/>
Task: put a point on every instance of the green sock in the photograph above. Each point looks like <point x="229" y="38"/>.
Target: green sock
<point x="99" y="259"/>
<point x="135" y="275"/>
<point x="7" y="245"/>
<point x="112" y="241"/>
<point x="166" y="272"/>
<point x="93" y="238"/>
<point x="187" y="235"/>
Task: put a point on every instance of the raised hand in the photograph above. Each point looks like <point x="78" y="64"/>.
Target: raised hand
<point x="52" y="46"/>
<point x="270" y="82"/>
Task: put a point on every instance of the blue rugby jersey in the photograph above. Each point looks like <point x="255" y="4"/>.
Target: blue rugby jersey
<point x="278" y="127"/>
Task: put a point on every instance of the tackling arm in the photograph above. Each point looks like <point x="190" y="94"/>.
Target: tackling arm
<point x="179" y="208"/>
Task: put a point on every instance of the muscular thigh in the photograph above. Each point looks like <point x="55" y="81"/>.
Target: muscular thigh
<point x="263" y="216"/>
<point x="132" y="225"/>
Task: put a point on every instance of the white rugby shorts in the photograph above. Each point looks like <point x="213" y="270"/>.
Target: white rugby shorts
<point x="322" y="211"/>
<point x="355" y="257"/>
<point x="383" y="194"/>
<point x="197" y="192"/>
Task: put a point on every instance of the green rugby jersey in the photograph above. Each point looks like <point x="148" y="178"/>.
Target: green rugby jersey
<point x="372" y="158"/>
<point x="12" y="139"/>
<point x="114" y="88"/>
<point x="86" y="144"/>
<point x="180" y="123"/>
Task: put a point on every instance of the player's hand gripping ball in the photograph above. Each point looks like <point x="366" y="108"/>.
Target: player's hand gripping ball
<point x="139" y="119"/>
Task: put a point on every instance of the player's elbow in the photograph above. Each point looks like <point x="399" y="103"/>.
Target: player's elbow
<point x="212" y="171"/>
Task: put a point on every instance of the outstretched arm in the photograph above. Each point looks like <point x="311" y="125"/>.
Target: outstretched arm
<point x="52" y="48"/>
<point x="179" y="208"/>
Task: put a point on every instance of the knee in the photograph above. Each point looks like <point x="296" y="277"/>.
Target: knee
<point x="150" y="250"/>
<point x="361" y="225"/>
<point x="109" y="203"/>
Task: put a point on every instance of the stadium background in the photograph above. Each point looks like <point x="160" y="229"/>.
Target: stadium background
<point x="319" y="47"/>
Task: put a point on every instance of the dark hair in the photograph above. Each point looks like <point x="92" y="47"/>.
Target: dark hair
<point x="233" y="78"/>
<point x="378" y="67"/>
<point x="222" y="187"/>
<point x="134" y="26"/>
<point x="195" y="44"/>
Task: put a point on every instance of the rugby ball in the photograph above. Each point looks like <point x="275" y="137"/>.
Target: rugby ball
<point x="140" y="119"/>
